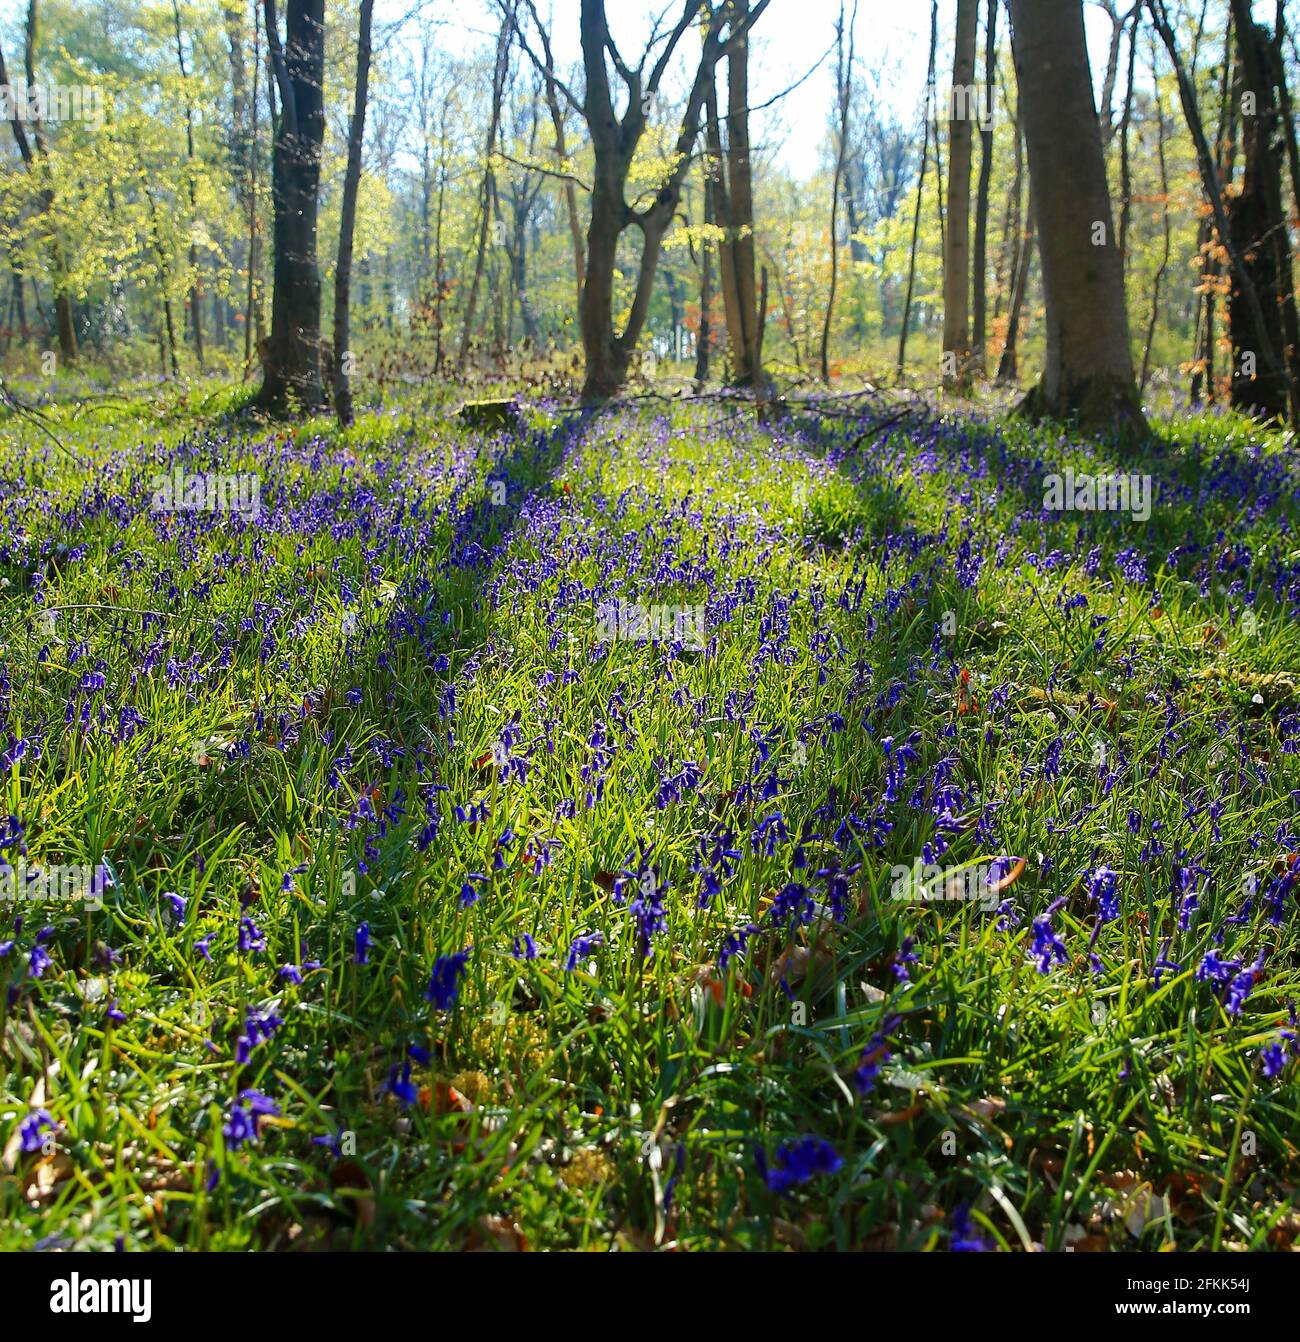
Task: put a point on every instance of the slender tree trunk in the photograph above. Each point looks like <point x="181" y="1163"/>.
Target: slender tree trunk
<point x="956" y="257"/>
<point x="845" y="87"/>
<point x="1288" y="115"/>
<point x="979" y="318"/>
<point x="1012" y="229"/>
<point x="439" y="261"/>
<point x="1164" y="212"/>
<point x="487" y="191"/>
<point x="1009" y="363"/>
<point x="551" y="86"/>
<point x="1207" y="242"/>
<point x="715" y="167"/>
<point x="196" y="280"/>
<point x="1125" y="166"/>
<point x="348" y="219"/>
<point x="920" y="193"/>
<point x="1088" y="372"/>
<point x="33" y="155"/>
<point x="164" y="270"/>
<point x="704" y="335"/>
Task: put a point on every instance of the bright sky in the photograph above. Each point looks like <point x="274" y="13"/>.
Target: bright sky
<point x="790" y="38"/>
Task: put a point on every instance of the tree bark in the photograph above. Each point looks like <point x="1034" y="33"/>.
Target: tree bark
<point x="705" y="334"/>
<point x="920" y="189"/>
<point x="956" y="256"/>
<point x="614" y="140"/>
<point x="196" y="282"/>
<point x="979" y="310"/>
<point x="487" y="190"/>
<point x="348" y="219"/>
<point x="1088" y="372"/>
<point x="33" y="155"/>
<point x="1009" y="363"/>
<point x="740" y="203"/>
<point x="844" y="87"/>
<point x="1164" y="213"/>
<point x="715" y="167"/>
<point x="292" y="368"/>
<point x="1258" y="226"/>
<point x="1278" y="363"/>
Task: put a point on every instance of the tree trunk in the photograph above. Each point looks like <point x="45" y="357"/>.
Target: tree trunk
<point x="1164" y="214"/>
<point x="1258" y="226"/>
<point x="292" y="369"/>
<point x="956" y="256"/>
<point x="1277" y="363"/>
<point x="979" y="316"/>
<point x="196" y="282"/>
<point x="1088" y="372"/>
<point x="614" y="141"/>
<point x="348" y="219"/>
<point x="1207" y="244"/>
<point x="920" y="189"/>
<point x="705" y="335"/>
<point x="844" y="87"/>
<point x="1009" y="363"/>
<point x="715" y="167"/>
<point x="487" y="190"/>
<point x="1125" y="169"/>
<point x="34" y="161"/>
<point x="740" y="203"/>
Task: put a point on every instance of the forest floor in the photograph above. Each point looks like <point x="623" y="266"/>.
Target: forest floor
<point x="646" y="830"/>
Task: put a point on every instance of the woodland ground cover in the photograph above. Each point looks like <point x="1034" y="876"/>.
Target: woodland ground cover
<point x="439" y="909"/>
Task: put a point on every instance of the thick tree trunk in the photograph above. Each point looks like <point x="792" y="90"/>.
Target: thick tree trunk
<point x="740" y="201"/>
<point x="607" y="358"/>
<point x="1258" y="227"/>
<point x="348" y="219"/>
<point x="1089" y="367"/>
<point x="292" y="369"/>
<point x="1278" y="362"/>
<point x="715" y="167"/>
<point x="614" y="140"/>
<point x="956" y="256"/>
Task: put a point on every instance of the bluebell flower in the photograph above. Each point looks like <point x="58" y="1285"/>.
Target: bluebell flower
<point x="443" y="980"/>
<point x="29" y="1130"/>
<point x="403" y="1089"/>
<point x="582" y="947"/>
<point x="965" y="1238"/>
<point x="799" y="1161"/>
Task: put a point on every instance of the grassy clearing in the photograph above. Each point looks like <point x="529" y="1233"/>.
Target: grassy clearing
<point x="324" y="751"/>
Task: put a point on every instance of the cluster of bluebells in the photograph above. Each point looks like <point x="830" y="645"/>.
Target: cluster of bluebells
<point x="581" y="767"/>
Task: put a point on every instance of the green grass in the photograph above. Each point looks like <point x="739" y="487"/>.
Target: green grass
<point x="1064" y="1108"/>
